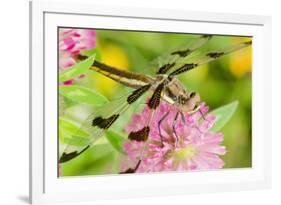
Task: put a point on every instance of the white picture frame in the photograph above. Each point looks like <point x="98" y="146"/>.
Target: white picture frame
<point x="46" y="187"/>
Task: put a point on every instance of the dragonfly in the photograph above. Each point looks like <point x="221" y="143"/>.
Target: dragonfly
<point x="164" y="85"/>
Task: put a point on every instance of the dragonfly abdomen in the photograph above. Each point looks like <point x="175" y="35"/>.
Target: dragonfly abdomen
<point x="129" y="79"/>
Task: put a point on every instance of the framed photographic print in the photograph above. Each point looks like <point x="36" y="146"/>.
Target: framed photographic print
<point x="129" y="102"/>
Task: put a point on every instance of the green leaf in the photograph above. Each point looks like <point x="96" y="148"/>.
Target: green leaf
<point x="90" y="52"/>
<point x="76" y="140"/>
<point x="71" y="127"/>
<point x="77" y="69"/>
<point x="116" y="140"/>
<point x="96" y="160"/>
<point x="83" y="95"/>
<point x="71" y="134"/>
<point x="223" y="115"/>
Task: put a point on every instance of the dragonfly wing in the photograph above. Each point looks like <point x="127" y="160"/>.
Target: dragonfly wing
<point x="99" y="121"/>
<point x="186" y="64"/>
<point x="153" y="103"/>
<point x="163" y="63"/>
<point x="141" y="135"/>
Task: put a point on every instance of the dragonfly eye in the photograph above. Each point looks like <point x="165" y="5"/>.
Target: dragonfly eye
<point x="192" y="94"/>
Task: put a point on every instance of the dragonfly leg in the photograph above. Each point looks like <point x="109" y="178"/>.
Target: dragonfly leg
<point x="174" y="128"/>
<point x="192" y="126"/>
<point x="137" y="166"/>
<point x="159" y="126"/>
<point x="202" y="115"/>
<point x="183" y="118"/>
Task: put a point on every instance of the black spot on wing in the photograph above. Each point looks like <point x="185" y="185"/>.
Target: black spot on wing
<point x="81" y="57"/>
<point x="154" y="101"/>
<point x="182" y="53"/>
<point x="104" y="123"/>
<point x="97" y="121"/>
<point x="140" y="135"/>
<point x="163" y="69"/>
<point x="128" y="171"/>
<point x="183" y="69"/>
<point x="131" y="170"/>
<point x="66" y="157"/>
<point x="137" y="93"/>
<point x="215" y="54"/>
<point x="248" y="43"/>
<point x="206" y="36"/>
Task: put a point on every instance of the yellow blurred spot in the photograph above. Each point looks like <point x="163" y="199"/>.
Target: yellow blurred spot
<point x="114" y="56"/>
<point x="197" y="75"/>
<point x="241" y="62"/>
<point x="201" y="73"/>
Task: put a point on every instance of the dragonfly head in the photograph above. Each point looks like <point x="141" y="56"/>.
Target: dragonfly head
<point x="190" y="103"/>
<point x="175" y="93"/>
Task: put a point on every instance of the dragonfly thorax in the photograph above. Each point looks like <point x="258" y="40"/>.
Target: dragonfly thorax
<point x="176" y="94"/>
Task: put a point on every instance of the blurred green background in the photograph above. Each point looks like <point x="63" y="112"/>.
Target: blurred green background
<point x="219" y="83"/>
